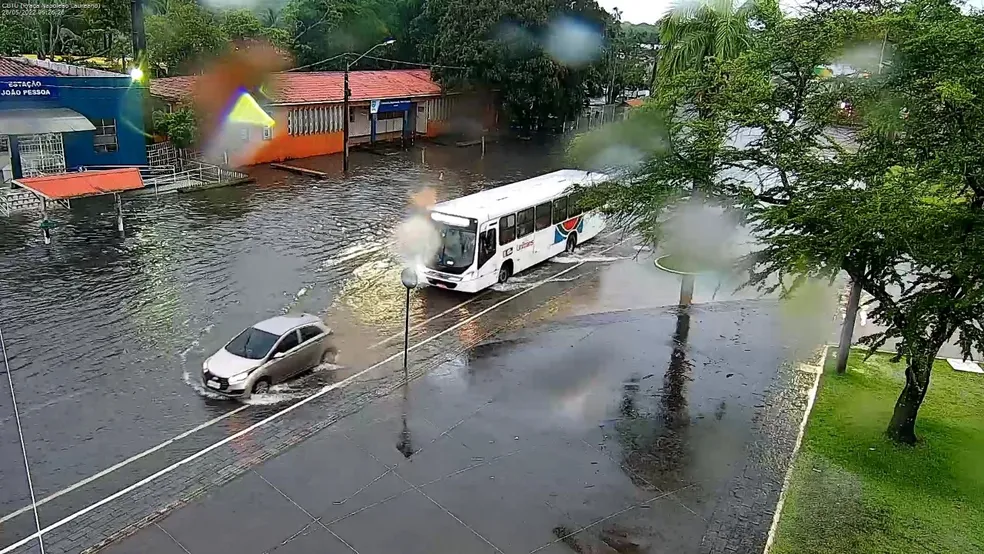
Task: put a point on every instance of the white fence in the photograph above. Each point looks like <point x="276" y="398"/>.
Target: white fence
<point x="594" y="117"/>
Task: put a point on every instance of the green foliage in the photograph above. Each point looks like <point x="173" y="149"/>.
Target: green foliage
<point x="12" y="36"/>
<point x="496" y="42"/>
<point x="695" y="33"/>
<point x="180" y="126"/>
<point x="178" y="39"/>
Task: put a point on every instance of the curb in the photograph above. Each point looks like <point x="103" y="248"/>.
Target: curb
<point x="674" y="271"/>
<point x="792" y="458"/>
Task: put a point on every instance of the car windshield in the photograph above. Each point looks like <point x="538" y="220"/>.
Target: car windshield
<point x="252" y="344"/>
<point x="457" y="250"/>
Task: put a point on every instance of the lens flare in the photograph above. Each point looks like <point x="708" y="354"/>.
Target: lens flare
<point x="247" y="110"/>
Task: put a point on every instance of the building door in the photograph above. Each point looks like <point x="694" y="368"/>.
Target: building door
<point x="42" y="154"/>
<point x="6" y="164"/>
<point x="421" y="119"/>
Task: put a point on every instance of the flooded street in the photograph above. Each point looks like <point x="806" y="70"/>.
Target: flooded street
<point x="106" y="335"/>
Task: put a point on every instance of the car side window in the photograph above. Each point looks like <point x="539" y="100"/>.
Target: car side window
<point x="288" y="342"/>
<point x="310" y="332"/>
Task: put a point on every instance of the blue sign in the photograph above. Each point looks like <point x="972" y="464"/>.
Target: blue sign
<point x="28" y="88"/>
<point x="394" y="106"/>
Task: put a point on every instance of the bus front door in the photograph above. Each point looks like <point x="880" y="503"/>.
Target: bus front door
<point x="487" y="259"/>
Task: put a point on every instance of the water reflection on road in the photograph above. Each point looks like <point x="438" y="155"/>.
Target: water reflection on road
<point x="106" y="334"/>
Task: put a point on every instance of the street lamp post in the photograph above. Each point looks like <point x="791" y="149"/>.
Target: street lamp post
<point x="346" y="94"/>
<point x="409" y="279"/>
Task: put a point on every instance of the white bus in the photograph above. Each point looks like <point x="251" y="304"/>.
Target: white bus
<point x="491" y="235"/>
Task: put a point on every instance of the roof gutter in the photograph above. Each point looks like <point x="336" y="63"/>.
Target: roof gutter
<point x="358" y="102"/>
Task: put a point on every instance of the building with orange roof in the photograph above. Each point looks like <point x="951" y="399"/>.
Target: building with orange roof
<point x="307" y="109"/>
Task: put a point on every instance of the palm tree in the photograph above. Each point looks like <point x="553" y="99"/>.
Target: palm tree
<point x="693" y="32"/>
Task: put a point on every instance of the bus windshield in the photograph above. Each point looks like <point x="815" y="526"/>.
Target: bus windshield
<point x="457" y="250"/>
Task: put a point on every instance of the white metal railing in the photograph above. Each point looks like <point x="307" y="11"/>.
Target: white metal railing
<point x="191" y="173"/>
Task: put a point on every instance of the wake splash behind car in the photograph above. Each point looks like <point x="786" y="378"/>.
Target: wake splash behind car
<point x="268" y="353"/>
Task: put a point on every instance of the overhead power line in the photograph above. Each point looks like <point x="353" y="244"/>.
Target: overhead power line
<point x="428" y="65"/>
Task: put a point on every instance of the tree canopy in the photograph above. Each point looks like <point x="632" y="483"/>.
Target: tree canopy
<point x="895" y="201"/>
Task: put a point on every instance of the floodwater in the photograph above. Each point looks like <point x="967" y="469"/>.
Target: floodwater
<point x="106" y="334"/>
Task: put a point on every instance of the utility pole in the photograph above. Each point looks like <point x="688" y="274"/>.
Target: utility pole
<point x="346" y="94"/>
<point x="138" y="36"/>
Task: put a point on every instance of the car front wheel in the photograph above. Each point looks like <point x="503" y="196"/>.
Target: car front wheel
<point x="262" y="386"/>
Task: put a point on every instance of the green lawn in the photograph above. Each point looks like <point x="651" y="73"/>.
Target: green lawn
<point x="854" y="491"/>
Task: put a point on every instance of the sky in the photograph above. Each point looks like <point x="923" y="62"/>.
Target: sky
<point x="638" y="11"/>
<point x="649" y="11"/>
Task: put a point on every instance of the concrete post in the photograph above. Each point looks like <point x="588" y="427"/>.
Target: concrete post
<point x="119" y="212"/>
<point x="15" y="159"/>
<point x="45" y="232"/>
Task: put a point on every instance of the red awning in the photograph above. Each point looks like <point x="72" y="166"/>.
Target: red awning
<point x="64" y="186"/>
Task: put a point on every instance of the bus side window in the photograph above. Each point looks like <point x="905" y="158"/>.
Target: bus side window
<point x="486" y="247"/>
<point x="574" y="204"/>
<point x="524" y="223"/>
<point x="559" y="210"/>
<point x="543" y="216"/>
<point x="507" y="229"/>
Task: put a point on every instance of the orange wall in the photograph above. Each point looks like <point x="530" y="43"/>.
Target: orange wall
<point x="284" y="146"/>
<point x="436" y="127"/>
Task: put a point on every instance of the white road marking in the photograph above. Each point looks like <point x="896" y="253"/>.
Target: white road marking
<point x="211" y="422"/>
<point x="325" y="390"/>
<point x="125" y="462"/>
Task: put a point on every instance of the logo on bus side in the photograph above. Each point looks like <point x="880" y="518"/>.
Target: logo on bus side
<point x="526" y="244"/>
<point x="563" y="229"/>
<point x="507" y="252"/>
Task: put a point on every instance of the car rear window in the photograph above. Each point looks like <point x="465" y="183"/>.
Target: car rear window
<point x="309" y="332"/>
<point x="252" y="344"/>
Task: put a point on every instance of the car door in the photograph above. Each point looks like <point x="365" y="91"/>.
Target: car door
<point x="285" y="358"/>
<point x="312" y="345"/>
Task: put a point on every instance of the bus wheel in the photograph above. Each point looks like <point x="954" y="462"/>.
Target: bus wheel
<point x="571" y="243"/>
<point x="505" y="272"/>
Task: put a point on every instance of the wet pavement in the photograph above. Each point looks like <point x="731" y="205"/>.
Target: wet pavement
<point x="614" y="423"/>
<point x="106" y="335"/>
<point x="120" y="434"/>
<point x="630" y="431"/>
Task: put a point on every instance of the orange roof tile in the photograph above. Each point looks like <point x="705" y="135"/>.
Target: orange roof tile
<point x="635" y="102"/>
<point x="84" y="183"/>
<point x="15" y="68"/>
<point x="322" y="86"/>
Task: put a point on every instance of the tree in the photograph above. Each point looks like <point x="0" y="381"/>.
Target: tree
<point x="901" y="212"/>
<point x="673" y="150"/>
<point x="13" y="35"/>
<point x="505" y="47"/>
<point x="180" y="126"/>
<point x="106" y="24"/>
<point x="245" y="26"/>
<point x="695" y="33"/>
<point x="181" y="37"/>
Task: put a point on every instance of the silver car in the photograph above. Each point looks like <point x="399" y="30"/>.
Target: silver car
<point x="268" y="353"/>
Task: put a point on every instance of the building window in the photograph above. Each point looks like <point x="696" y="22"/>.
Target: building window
<point x="105" y="135"/>
<point x="4" y="144"/>
<point x="267" y="133"/>
<point x="389" y="115"/>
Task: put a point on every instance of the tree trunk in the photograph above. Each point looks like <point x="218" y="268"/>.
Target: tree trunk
<point x="847" y="329"/>
<point x="686" y="290"/>
<point x="902" y="427"/>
